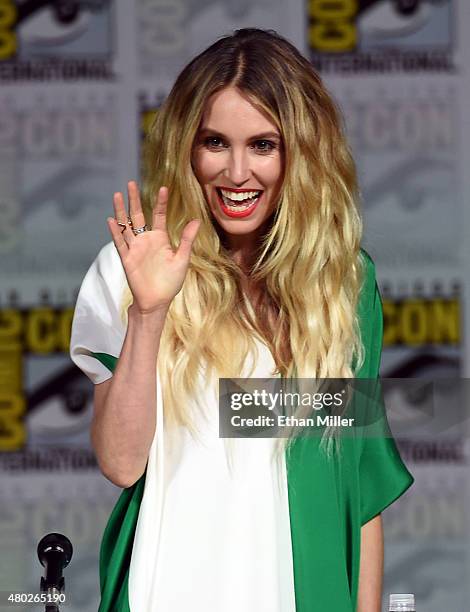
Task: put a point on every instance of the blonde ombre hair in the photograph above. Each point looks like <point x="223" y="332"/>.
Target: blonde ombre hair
<point x="308" y="261"/>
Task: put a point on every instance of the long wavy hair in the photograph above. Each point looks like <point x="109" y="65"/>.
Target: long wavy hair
<point x="308" y="260"/>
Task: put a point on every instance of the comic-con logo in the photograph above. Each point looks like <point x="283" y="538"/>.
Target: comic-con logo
<point x="422" y="332"/>
<point x="42" y="40"/>
<point x="43" y="396"/>
<point x="380" y="35"/>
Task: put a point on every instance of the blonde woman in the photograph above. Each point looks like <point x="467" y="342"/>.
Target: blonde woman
<point x="243" y="259"/>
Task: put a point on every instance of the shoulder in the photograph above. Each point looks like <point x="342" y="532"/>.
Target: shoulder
<point x="104" y="283"/>
<point x="97" y="325"/>
<point x="107" y="268"/>
<point x="370" y="319"/>
<point x="368" y="267"/>
<point x="108" y="262"/>
<point x="369" y="290"/>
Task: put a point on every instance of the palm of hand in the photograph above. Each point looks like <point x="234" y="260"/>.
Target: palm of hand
<point x="154" y="271"/>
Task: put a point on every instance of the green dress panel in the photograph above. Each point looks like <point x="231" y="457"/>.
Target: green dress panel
<point x="329" y="498"/>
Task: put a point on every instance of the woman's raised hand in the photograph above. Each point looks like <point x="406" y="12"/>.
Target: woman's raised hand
<point x="155" y="273"/>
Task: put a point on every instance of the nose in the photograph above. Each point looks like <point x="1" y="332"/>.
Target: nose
<point x="238" y="167"/>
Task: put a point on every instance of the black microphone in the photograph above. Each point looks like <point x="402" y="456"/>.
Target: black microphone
<point x="54" y="552"/>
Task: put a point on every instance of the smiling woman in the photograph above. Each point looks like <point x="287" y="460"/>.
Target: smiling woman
<point x="244" y="260"/>
<point x="242" y="174"/>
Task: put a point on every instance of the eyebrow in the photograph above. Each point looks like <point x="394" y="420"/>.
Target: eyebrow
<point x="255" y="137"/>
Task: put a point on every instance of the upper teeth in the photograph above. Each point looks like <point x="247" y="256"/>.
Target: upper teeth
<point x="232" y="195"/>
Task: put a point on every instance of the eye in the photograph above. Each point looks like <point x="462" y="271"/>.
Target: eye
<point x="209" y="142"/>
<point x="269" y="146"/>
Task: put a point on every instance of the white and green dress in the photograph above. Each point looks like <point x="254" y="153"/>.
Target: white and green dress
<point x="195" y="533"/>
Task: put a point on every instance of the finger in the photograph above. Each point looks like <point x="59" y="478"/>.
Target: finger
<point x="135" y="206"/>
<point x="159" y="210"/>
<point x="187" y="238"/>
<point x="119" y="208"/>
<point x="120" y="214"/>
<point x="118" y="238"/>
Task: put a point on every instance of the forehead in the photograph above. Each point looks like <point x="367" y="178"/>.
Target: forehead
<point x="232" y="113"/>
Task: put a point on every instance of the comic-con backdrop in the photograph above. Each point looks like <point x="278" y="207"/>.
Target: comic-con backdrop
<point x="80" y="80"/>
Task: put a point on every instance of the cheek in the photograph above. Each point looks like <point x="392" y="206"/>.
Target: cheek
<point x="205" y="166"/>
<point x="271" y="172"/>
<point x="201" y="165"/>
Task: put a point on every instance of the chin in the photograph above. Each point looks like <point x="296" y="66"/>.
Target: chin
<point x="239" y="227"/>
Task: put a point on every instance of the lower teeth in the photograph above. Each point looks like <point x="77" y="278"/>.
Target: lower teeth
<point x="236" y="207"/>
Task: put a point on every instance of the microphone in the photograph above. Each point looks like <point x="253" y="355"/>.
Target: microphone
<point x="54" y="553"/>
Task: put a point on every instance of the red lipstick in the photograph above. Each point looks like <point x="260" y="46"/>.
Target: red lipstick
<point x="237" y="214"/>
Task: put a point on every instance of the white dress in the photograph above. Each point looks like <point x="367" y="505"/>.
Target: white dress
<point x="210" y="537"/>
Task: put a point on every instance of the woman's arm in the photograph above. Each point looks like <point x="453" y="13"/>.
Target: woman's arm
<point x="369" y="597"/>
<point x="124" y="418"/>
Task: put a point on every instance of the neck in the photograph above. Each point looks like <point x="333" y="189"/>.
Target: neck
<point x="243" y="247"/>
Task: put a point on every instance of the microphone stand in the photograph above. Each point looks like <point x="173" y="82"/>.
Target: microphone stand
<point x="54" y="552"/>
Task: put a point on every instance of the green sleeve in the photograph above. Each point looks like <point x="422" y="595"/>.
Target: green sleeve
<point x="383" y="477"/>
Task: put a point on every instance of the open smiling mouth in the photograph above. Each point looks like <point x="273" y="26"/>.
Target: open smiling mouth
<point x="238" y="204"/>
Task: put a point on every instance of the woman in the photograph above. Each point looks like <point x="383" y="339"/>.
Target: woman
<point x="250" y="266"/>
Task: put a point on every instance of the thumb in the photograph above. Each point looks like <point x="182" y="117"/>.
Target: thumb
<point x="187" y="238"/>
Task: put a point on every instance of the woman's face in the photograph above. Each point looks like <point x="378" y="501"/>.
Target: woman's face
<point x="238" y="161"/>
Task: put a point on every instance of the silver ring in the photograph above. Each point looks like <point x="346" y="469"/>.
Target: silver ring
<point x="139" y="230"/>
